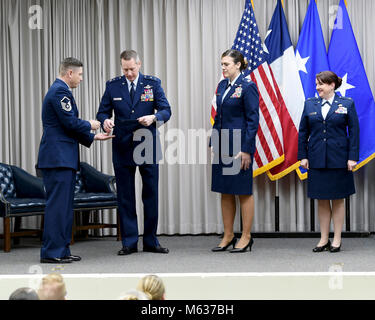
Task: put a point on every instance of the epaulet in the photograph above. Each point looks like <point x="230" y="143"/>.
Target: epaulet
<point x="114" y="79"/>
<point x="311" y="99"/>
<point x="151" y="78"/>
<point x="247" y="80"/>
<point x="345" y="98"/>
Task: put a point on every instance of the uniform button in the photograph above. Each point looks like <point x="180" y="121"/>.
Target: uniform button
<point x="132" y="111"/>
<point x="325" y="139"/>
<point x="324" y="131"/>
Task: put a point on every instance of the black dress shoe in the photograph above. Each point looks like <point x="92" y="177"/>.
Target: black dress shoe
<point x="218" y="249"/>
<point x="249" y="245"/>
<point x="55" y="260"/>
<point x="74" y="258"/>
<point x="334" y="249"/>
<point x="126" y="250"/>
<point x="157" y="249"/>
<point x="322" y="248"/>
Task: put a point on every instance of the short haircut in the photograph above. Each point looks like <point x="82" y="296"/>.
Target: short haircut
<point x="69" y="63"/>
<point x="24" y="294"/>
<point x="52" y="287"/>
<point x="129" y="54"/>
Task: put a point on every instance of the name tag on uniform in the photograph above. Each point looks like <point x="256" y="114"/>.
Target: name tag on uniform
<point x="237" y="93"/>
<point x="312" y="113"/>
<point x="117" y="99"/>
<point x="341" y="110"/>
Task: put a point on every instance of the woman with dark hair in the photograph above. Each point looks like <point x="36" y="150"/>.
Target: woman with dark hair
<point x="328" y="146"/>
<point x="233" y="145"/>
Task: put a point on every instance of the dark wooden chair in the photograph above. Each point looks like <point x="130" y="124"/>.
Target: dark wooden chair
<point x="94" y="192"/>
<point x="21" y="195"/>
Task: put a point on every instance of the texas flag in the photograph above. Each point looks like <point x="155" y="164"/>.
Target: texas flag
<point x="283" y="63"/>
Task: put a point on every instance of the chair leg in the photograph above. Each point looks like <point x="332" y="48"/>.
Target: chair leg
<point x="7" y="239"/>
<point x="17" y="227"/>
<point x="85" y="222"/>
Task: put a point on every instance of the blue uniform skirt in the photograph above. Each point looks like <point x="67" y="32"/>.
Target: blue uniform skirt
<point x="330" y="184"/>
<point x="229" y="179"/>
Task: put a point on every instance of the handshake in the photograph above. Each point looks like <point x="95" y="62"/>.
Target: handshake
<point x="95" y="125"/>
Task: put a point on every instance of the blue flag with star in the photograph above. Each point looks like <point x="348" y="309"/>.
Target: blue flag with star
<point x="311" y="56"/>
<point x="345" y="60"/>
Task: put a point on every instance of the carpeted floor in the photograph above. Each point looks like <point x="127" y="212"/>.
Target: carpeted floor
<point x="191" y="254"/>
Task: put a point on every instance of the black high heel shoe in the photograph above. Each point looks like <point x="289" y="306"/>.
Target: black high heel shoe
<point x="218" y="249"/>
<point x="326" y="247"/>
<point x="249" y="245"/>
<point x="333" y="249"/>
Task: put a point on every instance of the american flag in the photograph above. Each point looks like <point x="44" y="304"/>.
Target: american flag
<point x="269" y="139"/>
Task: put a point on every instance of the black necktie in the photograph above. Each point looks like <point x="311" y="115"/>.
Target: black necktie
<point x="327" y="102"/>
<point x="132" y="92"/>
<point x="228" y="85"/>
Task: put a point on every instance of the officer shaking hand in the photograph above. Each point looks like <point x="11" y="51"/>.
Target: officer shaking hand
<point x="58" y="159"/>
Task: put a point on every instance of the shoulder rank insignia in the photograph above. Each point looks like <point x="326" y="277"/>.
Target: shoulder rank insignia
<point x="151" y="78"/>
<point x="345" y="98"/>
<point x="65" y="104"/>
<point x="114" y="79"/>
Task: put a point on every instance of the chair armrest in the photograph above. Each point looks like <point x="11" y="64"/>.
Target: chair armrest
<point x="27" y="185"/>
<point x="96" y="181"/>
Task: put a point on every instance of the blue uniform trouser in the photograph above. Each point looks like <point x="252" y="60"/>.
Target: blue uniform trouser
<point x="125" y="183"/>
<point x="58" y="217"/>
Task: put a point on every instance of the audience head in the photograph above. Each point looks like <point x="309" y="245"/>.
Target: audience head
<point x="24" y="294"/>
<point x="134" y="295"/>
<point x="52" y="287"/>
<point x="153" y="287"/>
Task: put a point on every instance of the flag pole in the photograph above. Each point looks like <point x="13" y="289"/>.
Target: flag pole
<point x="347" y="214"/>
<point x="277" y="208"/>
<point x="312" y="215"/>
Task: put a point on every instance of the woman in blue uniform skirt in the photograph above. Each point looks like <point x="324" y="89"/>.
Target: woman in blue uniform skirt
<point x="233" y="145"/>
<point x="328" y="146"/>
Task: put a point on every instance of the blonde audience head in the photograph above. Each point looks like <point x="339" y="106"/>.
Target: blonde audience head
<point x="134" y="295"/>
<point x="153" y="287"/>
<point x="52" y="287"/>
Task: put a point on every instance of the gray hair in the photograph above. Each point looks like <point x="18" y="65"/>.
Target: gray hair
<point x="69" y="63"/>
<point x="130" y="54"/>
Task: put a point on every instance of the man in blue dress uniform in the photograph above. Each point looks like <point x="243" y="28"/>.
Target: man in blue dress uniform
<point x="134" y="98"/>
<point x="58" y="158"/>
